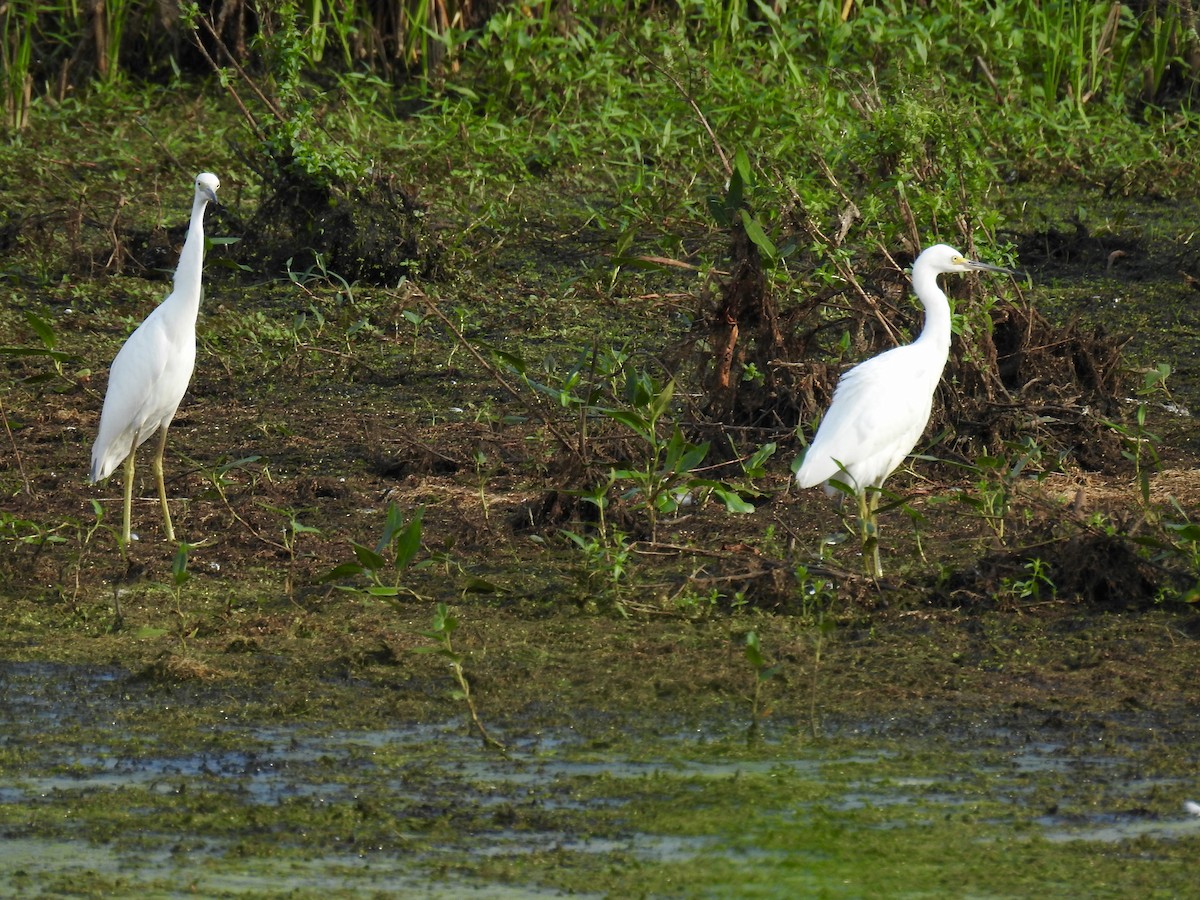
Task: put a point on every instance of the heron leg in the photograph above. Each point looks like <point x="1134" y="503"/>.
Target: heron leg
<point x="873" y="528"/>
<point x="128" y="495"/>
<point x="869" y="531"/>
<point x="158" y="479"/>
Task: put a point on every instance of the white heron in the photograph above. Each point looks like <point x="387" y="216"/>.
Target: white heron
<point x="150" y="373"/>
<point x="881" y="406"/>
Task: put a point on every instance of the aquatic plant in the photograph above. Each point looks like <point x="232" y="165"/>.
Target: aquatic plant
<point x="441" y="634"/>
<point x="763" y="672"/>
<point x="48" y="350"/>
<point x="1033" y="588"/>
<point x="604" y="551"/>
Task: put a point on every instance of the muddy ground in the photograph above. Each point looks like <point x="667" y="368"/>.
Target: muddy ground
<point x="316" y="404"/>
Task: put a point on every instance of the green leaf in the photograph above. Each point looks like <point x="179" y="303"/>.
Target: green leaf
<point x="59" y="355"/>
<point x="392" y="524"/>
<point x="758" y="236"/>
<point x="43" y="329"/>
<point x="754" y="465"/>
<point x="764" y="674"/>
<point x="718" y="208"/>
<point x="179" y="572"/>
<point x="1188" y="531"/>
<point x="754" y="651"/>
<point x="383" y="590"/>
<point x="733" y="500"/>
<point x="661" y="400"/>
<point x="631" y="420"/>
<point x="742" y="168"/>
<point x="476" y="585"/>
<point x="368" y="558"/>
<point x="408" y="541"/>
<point x="693" y="457"/>
<point x="345" y="570"/>
<point x="461" y="90"/>
<point x="513" y="361"/>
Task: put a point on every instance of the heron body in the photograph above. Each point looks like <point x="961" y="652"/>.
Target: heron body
<point x="151" y="372"/>
<point x="881" y="406"/>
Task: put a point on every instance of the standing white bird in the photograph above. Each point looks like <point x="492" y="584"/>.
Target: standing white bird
<point x="881" y="406"/>
<point x="151" y="372"/>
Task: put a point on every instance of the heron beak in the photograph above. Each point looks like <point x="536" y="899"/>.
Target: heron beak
<point x="211" y="195"/>
<point x="990" y="268"/>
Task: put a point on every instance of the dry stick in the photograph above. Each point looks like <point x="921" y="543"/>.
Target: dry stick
<point x="246" y="114"/>
<point x="530" y="407"/>
<point x="16" y="452"/>
<point x="267" y="101"/>
<point x="910" y="221"/>
<point x="426" y="448"/>
<point x="254" y="531"/>
<point x="990" y="79"/>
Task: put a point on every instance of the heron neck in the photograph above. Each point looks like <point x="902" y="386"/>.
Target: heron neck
<point x="937" y="310"/>
<point x="191" y="258"/>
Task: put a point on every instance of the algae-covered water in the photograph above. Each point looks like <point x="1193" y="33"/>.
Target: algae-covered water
<point x="104" y="792"/>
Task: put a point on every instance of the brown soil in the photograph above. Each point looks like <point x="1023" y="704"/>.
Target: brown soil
<point x="333" y="423"/>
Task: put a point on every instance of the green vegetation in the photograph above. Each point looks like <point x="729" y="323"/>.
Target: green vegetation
<point x="511" y="327"/>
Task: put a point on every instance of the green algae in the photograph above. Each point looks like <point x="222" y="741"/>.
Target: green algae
<point x="994" y="803"/>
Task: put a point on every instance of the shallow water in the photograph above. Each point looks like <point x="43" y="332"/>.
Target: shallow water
<point x="90" y="797"/>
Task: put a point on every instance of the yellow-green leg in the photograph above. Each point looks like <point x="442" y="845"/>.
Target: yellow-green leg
<point x="158" y="479"/>
<point x="869" y="531"/>
<point x="128" y="495"/>
<point x="872" y="503"/>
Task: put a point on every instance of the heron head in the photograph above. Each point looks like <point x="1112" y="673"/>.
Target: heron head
<point x="207" y="184"/>
<point x="944" y="258"/>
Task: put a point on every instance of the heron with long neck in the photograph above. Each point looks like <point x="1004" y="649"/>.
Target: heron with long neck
<point x="881" y="407"/>
<point x="152" y="370"/>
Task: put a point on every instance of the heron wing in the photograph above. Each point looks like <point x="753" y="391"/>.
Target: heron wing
<point x="879" y="410"/>
<point x="146" y="382"/>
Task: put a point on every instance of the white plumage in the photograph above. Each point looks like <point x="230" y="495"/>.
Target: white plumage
<point x="882" y="405"/>
<point x="151" y="372"/>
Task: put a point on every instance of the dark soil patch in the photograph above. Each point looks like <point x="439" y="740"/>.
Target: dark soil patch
<point x="372" y="231"/>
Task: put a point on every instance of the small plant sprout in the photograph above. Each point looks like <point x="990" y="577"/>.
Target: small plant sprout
<point x="49" y="339"/>
<point x="180" y="576"/>
<point x="1141" y="443"/>
<point x="441" y="635"/>
<point x="606" y="552"/>
<point x="822" y="629"/>
<point x="416" y="320"/>
<point x="291" y="531"/>
<point x="1180" y="548"/>
<point x="86" y="532"/>
<point x="480" y="459"/>
<point x="1036" y="587"/>
<point x="400" y="539"/>
<point x="763" y="672"/>
<point x="816" y="593"/>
